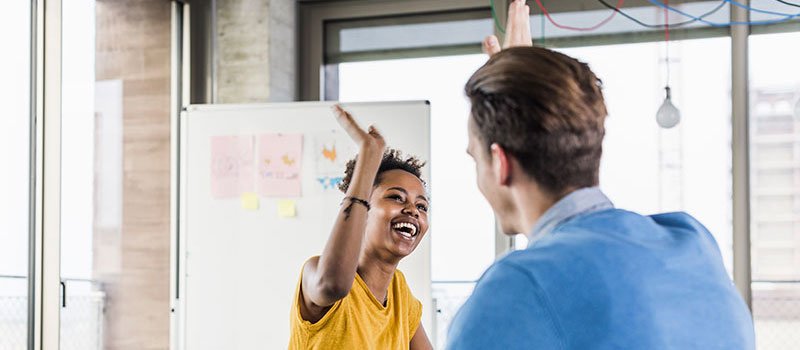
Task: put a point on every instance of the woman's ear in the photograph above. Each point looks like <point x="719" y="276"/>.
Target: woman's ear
<point x="501" y="165"/>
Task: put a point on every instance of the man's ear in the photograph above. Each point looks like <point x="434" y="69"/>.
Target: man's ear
<point x="501" y="164"/>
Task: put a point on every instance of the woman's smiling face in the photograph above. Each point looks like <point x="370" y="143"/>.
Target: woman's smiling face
<point x="398" y="218"/>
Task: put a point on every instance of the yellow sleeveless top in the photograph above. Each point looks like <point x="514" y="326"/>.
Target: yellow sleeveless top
<point x="359" y="321"/>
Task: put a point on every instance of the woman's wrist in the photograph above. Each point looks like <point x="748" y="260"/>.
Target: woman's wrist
<point x="361" y="185"/>
<point x="370" y="154"/>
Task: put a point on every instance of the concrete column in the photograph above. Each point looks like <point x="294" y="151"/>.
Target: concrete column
<point x="255" y="54"/>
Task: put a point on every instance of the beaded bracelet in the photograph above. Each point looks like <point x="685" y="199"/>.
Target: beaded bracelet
<point x="357" y="200"/>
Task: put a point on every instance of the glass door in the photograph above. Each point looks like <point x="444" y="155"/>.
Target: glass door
<point x="775" y="188"/>
<point x="115" y="164"/>
<point x="15" y="182"/>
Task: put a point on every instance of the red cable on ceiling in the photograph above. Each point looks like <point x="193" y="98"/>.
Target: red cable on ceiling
<point x="586" y="29"/>
<point x="666" y="20"/>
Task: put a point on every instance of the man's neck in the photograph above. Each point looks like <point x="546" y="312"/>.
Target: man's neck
<point x="531" y="203"/>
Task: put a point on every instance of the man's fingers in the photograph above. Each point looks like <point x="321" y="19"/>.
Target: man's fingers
<point x="491" y="45"/>
<point x="523" y="25"/>
<point x="526" y="23"/>
<point x="511" y="23"/>
<point x="519" y="27"/>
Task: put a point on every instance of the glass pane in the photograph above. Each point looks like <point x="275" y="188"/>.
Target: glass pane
<point x="462" y="231"/>
<point x="775" y="188"/>
<point x="115" y="174"/>
<point x="82" y="317"/>
<point x="648" y="169"/>
<point x="15" y="129"/>
<point x="417" y="35"/>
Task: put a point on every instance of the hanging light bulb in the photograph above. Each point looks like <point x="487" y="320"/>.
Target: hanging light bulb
<point x="668" y="115"/>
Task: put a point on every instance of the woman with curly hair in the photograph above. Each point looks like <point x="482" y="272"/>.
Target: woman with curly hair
<point x="353" y="296"/>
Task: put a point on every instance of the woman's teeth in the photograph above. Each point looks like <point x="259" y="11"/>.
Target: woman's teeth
<point x="405" y="229"/>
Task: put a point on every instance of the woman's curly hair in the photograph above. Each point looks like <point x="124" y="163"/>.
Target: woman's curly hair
<point x="392" y="159"/>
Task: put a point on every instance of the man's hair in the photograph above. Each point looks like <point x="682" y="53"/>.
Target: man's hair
<point x="544" y="108"/>
<point x="392" y="160"/>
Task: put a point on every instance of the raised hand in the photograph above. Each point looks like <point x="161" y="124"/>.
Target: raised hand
<point x="370" y="141"/>
<point x="518" y="29"/>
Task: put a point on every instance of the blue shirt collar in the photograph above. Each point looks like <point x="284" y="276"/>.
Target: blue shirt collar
<point x="579" y="202"/>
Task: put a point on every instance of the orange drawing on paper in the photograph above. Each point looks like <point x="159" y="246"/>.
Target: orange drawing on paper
<point x="329" y="154"/>
<point x="288" y="161"/>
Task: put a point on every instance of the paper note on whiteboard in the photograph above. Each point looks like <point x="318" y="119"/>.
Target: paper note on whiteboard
<point x="332" y="151"/>
<point x="249" y="201"/>
<point x="287" y="208"/>
<point x="232" y="170"/>
<point x="279" y="165"/>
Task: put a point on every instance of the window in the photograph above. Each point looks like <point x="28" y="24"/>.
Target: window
<point x="15" y="156"/>
<point x="775" y="188"/>
<point x="82" y="316"/>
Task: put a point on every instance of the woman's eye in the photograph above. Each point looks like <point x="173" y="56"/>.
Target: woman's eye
<point x="396" y="197"/>
<point x="423" y="208"/>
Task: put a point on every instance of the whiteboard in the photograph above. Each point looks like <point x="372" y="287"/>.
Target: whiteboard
<point x="238" y="269"/>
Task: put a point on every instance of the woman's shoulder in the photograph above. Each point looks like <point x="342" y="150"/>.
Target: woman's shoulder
<point x="405" y="297"/>
<point x="310" y="263"/>
<point x="401" y="284"/>
<point x="399" y="277"/>
<point x="311" y="260"/>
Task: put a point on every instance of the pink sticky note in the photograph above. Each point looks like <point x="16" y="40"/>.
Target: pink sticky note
<point x="279" y="165"/>
<point x="232" y="166"/>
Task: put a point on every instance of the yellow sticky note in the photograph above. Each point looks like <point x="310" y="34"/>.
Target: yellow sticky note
<point x="287" y="208"/>
<point x="249" y="201"/>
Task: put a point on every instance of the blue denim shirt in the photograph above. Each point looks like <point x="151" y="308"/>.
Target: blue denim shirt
<point x="579" y="202"/>
<point x="596" y="277"/>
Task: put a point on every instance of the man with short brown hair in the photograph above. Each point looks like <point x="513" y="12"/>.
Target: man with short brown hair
<point x="592" y="276"/>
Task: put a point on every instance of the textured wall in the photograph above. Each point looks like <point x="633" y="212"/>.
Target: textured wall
<point x="283" y="50"/>
<point x="255" y="51"/>
<point x="133" y="45"/>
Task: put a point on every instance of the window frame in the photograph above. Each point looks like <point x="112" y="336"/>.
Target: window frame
<point x="44" y="245"/>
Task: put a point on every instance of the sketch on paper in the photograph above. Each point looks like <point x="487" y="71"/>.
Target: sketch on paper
<point x="232" y="171"/>
<point x="279" y="165"/>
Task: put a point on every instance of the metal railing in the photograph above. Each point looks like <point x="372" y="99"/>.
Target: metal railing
<point x="81" y="317"/>
<point x="448" y="296"/>
<point x="776" y="314"/>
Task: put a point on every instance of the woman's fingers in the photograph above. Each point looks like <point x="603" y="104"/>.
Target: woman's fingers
<point x="371" y="138"/>
<point x="349" y="124"/>
<point x="377" y="136"/>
